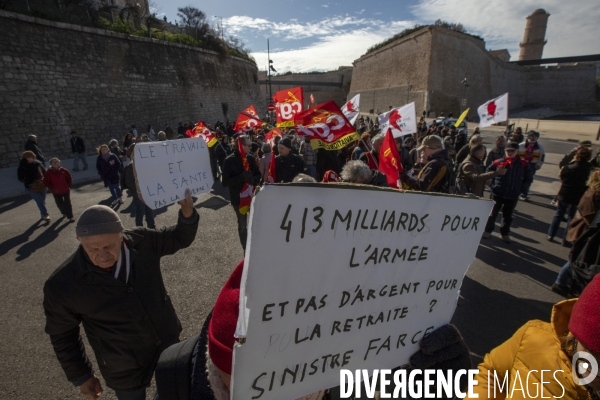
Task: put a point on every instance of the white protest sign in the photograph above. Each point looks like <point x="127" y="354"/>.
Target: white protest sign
<point x="164" y="170"/>
<point x="338" y="277"/>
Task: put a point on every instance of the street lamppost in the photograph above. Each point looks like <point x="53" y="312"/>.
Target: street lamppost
<point x="216" y="16"/>
<point x="464" y="97"/>
<point x="269" y="69"/>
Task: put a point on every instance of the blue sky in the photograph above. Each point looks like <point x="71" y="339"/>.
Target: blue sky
<point x="311" y="35"/>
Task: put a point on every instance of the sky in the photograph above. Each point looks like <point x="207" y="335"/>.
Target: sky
<point x="311" y="35"/>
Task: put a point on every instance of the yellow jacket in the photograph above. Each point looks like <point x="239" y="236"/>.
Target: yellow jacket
<point x="536" y="346"/>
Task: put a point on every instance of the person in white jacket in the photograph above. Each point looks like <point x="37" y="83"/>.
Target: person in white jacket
<point x="532" y="152"/>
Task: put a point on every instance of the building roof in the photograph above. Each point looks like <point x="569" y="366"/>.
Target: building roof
<point x="539" y="11"/>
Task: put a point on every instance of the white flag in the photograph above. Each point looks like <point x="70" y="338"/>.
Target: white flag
<point x="493" y="111"/>
<point x="402" y="121"/>
<point x="352" y="108"/>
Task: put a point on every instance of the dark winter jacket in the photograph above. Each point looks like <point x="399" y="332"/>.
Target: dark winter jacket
<point x="378" y="179"/>
<point x="223" y="149"/>
<point x="32" y="146"/>
<point x="327" y="160"/>
<point x="30" y="172"/>
<point x="233" y="175"/>
<point x="77" y="145"/>
<point x="58" y="181"/>
<point x="128" y="178"/>
<point x="462" y="154"/>
<point x="495" y="154"/>
<point x="573" y="178"/>
<point x="288" y="167"/>
<point x="509" y="186"/>
<point x="109" y="170"/>
<point x="127" y="325"/>
<point x="433" y="175"/>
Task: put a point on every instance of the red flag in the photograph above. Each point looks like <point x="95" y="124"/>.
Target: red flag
<point x="327" y="126"/>
<point x="251" y="111"/>
<point x="247" y="190"/>
<point x="270" y="137"/>
<point x="389" y="160"/>
<point x="272" y="177"/>
<point x="246" y="122"/>
<point x="200" y="130"/>
<point x="288" y="103"/>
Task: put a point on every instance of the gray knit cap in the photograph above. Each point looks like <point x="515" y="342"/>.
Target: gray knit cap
<point x="98" y="220"/>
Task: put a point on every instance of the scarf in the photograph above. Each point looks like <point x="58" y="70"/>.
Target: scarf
<point x="529" y="151"/>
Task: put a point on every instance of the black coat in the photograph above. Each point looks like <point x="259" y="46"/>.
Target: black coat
<point x="127" y="325"/>
<point x="327" y="160"/>
<point x="32" y="146"/>
<point x="288" y="167"/>
<point x="223" y="149"/>
<point x="233" y="175"/>
<point x="30" y="172"/>
<point x="77" y="145"/>
<point x="573" y="179"/>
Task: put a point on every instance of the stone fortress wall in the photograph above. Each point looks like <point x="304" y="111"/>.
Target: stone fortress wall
<point x="57" y="77"/>
<point x="428" y="66"/>
<point x="336" y="85"/>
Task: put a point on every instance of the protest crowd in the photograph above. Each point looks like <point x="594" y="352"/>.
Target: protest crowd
<point x="136" y="337"/>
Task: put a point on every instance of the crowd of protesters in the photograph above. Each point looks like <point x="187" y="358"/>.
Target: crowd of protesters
<point x="438" y="158"/>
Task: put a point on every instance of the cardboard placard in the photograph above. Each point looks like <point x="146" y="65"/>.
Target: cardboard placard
<point x="164" y="170"/>
<point x="340" y="276"/>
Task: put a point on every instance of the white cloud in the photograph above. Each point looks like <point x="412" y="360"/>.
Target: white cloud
<point x="333" y="50"/>
<point x="325" y="6"/>
<point x="572" y="27"/>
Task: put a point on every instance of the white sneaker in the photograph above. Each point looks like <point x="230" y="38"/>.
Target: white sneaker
<point x="506" y="238"/>
<point x="114" y="203"/>
<point x="524" y="198"/>
<point x="553" y="202"/>
<point x="486" y="235"/>
<point x="120" y="200"/>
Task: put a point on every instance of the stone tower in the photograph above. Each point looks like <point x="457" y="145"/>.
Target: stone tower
<point x="534" y="36"/>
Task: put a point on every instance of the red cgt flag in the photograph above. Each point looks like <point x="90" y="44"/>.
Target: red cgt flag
<point x="389" y="160"/>
<point x="251" y="111"/>
<point x="327" y="126"/>
<point x="270" y="137"/>
<point x="201" y="130"/>
<point x="247" y="191"/>
<point x="288" y="103"/>
<point x="272" y="177"/>
<point x="246" y="122"/>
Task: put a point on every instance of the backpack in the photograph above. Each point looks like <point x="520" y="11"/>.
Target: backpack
<point x="448" y="183"/>
<point x="584" y="257"/>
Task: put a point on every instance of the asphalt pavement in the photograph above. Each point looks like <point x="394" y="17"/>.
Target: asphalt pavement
<point x="507" y="285"/>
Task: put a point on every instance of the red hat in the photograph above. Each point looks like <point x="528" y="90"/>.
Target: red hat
<point x="584" y="323"/>
<point x="331" y="176"/>
<point x="224" y="320"/>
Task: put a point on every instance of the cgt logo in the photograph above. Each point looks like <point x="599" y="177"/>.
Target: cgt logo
<point x="585" y="368"/>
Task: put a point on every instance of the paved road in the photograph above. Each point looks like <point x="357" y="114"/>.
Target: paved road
<point x="507" y="285"/>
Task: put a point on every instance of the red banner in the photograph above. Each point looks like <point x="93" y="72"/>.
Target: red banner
<point x="247" y="122"/>
<point x="200" y="130"/>
<point x="389" y="160"/>
<point x="327" y="126"/>
<point x="288" y="103"/>
<point x="247" y="190"/>
<point x="270" y="137"/>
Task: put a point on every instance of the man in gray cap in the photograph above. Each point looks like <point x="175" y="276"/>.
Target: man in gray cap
<point x="113" y="286"/>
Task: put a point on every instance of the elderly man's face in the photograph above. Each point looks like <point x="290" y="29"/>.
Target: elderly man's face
<point x="377" y="145"/>
<point x="103" y="250"/>
<point x="426" y="153"/>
